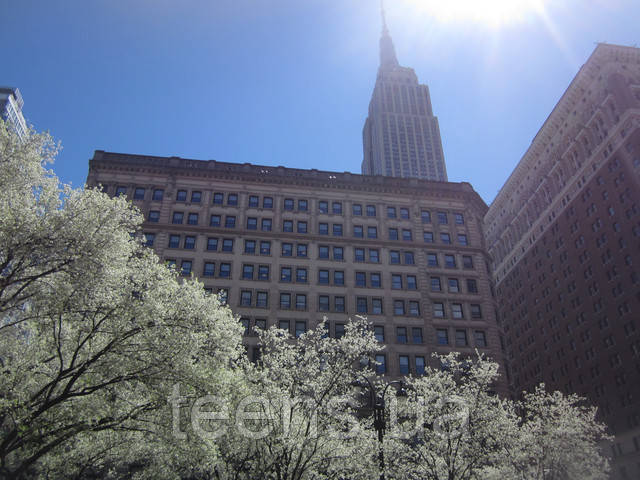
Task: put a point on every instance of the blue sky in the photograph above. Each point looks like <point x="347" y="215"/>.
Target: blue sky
<point x="288" y="82"/>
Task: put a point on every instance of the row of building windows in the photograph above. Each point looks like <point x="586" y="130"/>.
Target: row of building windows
<point x="289" y="204"/>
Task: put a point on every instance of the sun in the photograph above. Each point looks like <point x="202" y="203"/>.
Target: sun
<point x="493" y="13"/>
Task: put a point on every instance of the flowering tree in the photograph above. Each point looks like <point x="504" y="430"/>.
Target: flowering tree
<point x="94" y="331"/>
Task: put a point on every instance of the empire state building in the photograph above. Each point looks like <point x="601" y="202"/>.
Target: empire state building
<point x="401" y="137"/>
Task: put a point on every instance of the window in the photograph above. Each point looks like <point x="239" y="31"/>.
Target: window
<point x="450" y="261"/>
<point x="225" y="270"/>
<point x="323" y="206"/>
<point x="445" y="238"/>
<point x="301" y="250"/>
<point x="252" y="223"/>
<point x="227" y="244"/>
<point x="245" y="298"/>
<point x="374" y="255"/>
<point x="381" y="364"/>
<point x="481" y="338"/>
<point x="323" y="229"/>
<point x="323" y="251"/>
<point x="476" y="311"/>
<point x="435" y="284"/>
<point x="288" y="203"/>
<point x="339" y="304"/>
<point x="177" y="217"/>
<point x="338" y="277"/>
<point x="462" y="239"/>
<point x="338" y="253"/>
<point x="376" y="281"/>
<point x="461" y="338"/>
<point x="189" y="242"/>
<point x="232" y="199"/>
<point x="215" y="221"/>
<point x="266" y="225"/>
<point x="414" y="308"/>
<point x="218" y="198"/>
<point x="396" y="281"/>
<point x="404" y="213"/>
<point x="323" y="277"/>
<point x="358" y="254"/>
<point x="454" y="285"/>
<point x="158" y="195"/>
<point x="301" y="327"/>
<point x="425" y="216"/>
<point x="420" y="365"/>
<point x="254" y="201"/>
<point x="267" y="202"/>
<point x="393" y="234"/>
<point x="467" y="261"/>
<point x="263" y="272"/>
<point x="357" y="210"/>
<point x="427" y="237"/>
<point x="287" y="225"/>
<point x="336" y="208"/>
<point x="378" y="332"/>
<point x="472" y="286"/>
<point x="394" y="256"/>
<point x="401" y="334"/>
<point x="361" y="304"/>
<point x="262" y="300"/>
<point x="223" y="293"/>
<point x="285" y="301"/>
<point x="302" y="227"/>
<point x="303" y="205"/>
<point x="323" y="303"/>
<point x="361" y="279"/>
<point x="459" y="218"/>
<point x="284" y="324"/>
<point x="391" y="212"/>
<point x="250" y="247"/>
<point x="442" y="218"/>
<point x="301" y="301"/>
<point x="247" y="272"/>
<point x="149" y="238"/>
<point x="438" y="310"/>
<point x="339" y="330"/>
<point x="230" y="221"/>
<point x="371" y="210"/>
<point x="196" y="196"/>
<point x="398" y="307"/>
<point x="138" y="193"/>
<point x="181" y="196"/>
<point x="285" y="274"/>
<point x="372" y="232"/>
<point x="456" y="310"/>
<point x="406" y="235"/>
<point x="404" y="364"/>
<point x="192" y="219"/>
<point x="174" y="241"/>
<point x="358" y="231"/>
<point x="408" y="258"/>
<point x="412" y="282"/>
<point x="209" y="269"/>
<point x="301" y="275"/>
<point x="416" y="335"/>
<point x="376" y="306"/>
<point x="186" y="267"/>
<point x="287" y="250"/>
<point x="261" y="324"/>
<point x="154" y="216"/>
<point x="432" y="259"/>
<point x="265" y="247"/>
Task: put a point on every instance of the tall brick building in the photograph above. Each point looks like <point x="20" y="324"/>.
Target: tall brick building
<point x="564" y="235"/>
<point x="288" y="247"/>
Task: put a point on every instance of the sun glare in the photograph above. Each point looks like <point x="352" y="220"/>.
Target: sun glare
<point x="490" y="12"/>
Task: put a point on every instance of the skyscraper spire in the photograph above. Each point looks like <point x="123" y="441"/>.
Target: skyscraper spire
<point x="388" y="58"/>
